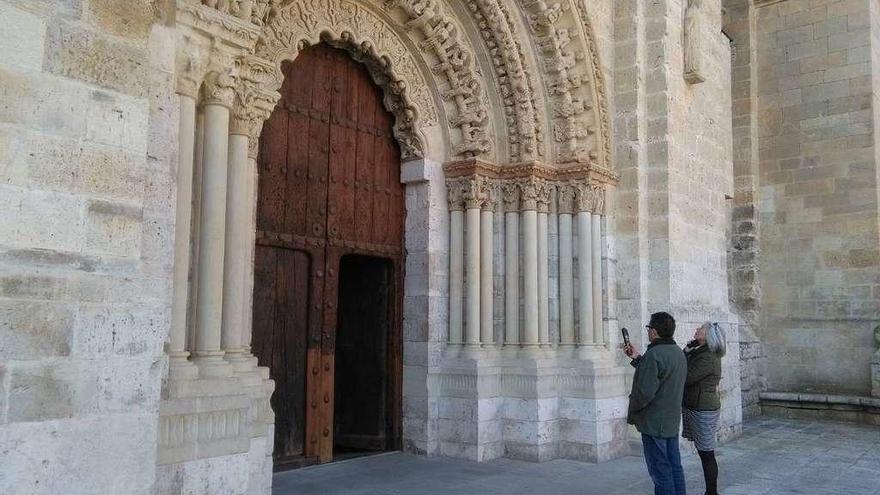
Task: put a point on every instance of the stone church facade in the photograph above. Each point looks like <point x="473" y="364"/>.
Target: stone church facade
<point x="240" y="235"/>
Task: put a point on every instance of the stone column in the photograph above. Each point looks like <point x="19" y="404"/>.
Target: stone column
<point x="187" y="92"/>
<point x="456" y="260"/>
<point x="511" y="263"/>
<point x="566" y="278"/>
<point x="585" y="266"/>
<point x="219" y="90"/>
<point x="530" y="262"/>
<point x="252" y="107"/>
<point x="543" y="266"/>
<point x="473" y="205"/>
<point x="487" y="219"/>
<point x="598" y="327"/>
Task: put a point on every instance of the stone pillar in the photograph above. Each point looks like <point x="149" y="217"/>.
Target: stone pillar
<point x="598" y="327"/>
<point x="585" y="266"/>
<point x="566" y="269"/>
<point x="511" y="263"/>
<point x="456" y="261"/>
<point x="252" y="107"/>
<point x="187" y="93"/>
<point x="473" y="205"/>
<point x="237" y="203"/>
<point x="487" y="219"/>
<point x="530" y="262"/>
<point x="543" y="266"/>
<point x="219" y="89"/>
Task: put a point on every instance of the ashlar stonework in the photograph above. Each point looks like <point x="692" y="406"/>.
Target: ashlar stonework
<point x="568" y="167"/>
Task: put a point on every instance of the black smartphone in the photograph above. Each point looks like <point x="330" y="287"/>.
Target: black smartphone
<point x="625" y="333"/>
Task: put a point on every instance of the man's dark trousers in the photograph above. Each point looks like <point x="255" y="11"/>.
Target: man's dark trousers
<point x="664" y="465"/>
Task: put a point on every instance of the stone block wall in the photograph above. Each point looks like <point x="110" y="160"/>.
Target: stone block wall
<point x="818" y="204"/>
<point x="87" y="143"/>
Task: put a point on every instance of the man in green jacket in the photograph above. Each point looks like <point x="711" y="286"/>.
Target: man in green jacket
<point x="655" y="403"/>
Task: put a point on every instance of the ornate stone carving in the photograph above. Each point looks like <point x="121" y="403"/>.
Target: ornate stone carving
<point x="572" y="80"/>
<point x="531" y="191"/>
<point x="521" y="112"/>
<point x="475" y="192"/>
<point x="377" y="45"/>
<point x="544" y="192"/>
<point x="510" y="195"/>
<point x="190" y="67"/>
<point x="456" y="65"/>
<point x="221" y="80"/>
<point x="565" y="194"/>
<point x="455" y="194"/>
<point x="218" y="23"/>
<point x="694" y="60"/>
<point x="253" y="103"/>
<point x="253" y="11"/>
<point x="599" y="93"/>
<point x="583" y="196"/>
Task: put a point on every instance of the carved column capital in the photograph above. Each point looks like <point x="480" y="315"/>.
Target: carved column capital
<point x="221" y="79"/>
<point x="566" y="197"/>
<point x="455" y="194"/>
<point x="543" y="190"/>
<point x="510" y="195"/>
<point x="583" y="196"/>
<point x="475" y="193"/>
<point x="531" y="193"/>
<point x="598" y="193"/>
<point x="190" y="68"/>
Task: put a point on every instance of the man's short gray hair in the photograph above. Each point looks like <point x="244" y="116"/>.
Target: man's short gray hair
<point x="715" y="338"/>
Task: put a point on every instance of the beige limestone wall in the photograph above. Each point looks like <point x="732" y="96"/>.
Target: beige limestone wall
<point x="817" y="207"/>
<point x="86" y="145"/>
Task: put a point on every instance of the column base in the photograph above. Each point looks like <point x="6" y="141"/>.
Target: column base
<point x="212" y="365"/>
<point x="179" y="367"/>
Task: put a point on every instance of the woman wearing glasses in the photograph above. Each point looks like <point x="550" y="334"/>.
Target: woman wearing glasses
<point x="702" y="403"/>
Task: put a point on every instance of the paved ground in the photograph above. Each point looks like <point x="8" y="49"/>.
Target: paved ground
<point x="772" y="457"/>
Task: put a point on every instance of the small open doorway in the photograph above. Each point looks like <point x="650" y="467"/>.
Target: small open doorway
<point x="363" y="419"/>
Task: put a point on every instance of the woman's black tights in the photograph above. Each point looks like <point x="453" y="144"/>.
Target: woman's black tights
<point x="710" y="471"/>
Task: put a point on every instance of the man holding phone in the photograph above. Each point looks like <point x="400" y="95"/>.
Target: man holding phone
<point x="655" y="403"/>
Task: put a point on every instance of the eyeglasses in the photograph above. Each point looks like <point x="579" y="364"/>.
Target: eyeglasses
<point x="649" y="327"/>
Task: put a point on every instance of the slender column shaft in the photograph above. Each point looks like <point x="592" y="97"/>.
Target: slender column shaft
<point x="185" y="157"/>
<point x="596" y="245"/>
<point x="456" y="275"/>
<point x="212" y="233"/>
<point x="530" y="276"/>
<point x="487" y="219"/>
<point x="543" y="282"/>
<point x="193" y="309"/>
<point x="250" y="249"/>
<point x="566" y="281"/>
<point x="585" y="279"/>
<point x="472" y="280"/>
<point x="237" y="209"/>
<point x="511" y="278"/>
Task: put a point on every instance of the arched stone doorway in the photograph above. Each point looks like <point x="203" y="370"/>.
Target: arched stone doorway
<point x="328" y="262"/>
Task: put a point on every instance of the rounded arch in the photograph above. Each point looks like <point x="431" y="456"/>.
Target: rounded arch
<point x="370" y="41"/>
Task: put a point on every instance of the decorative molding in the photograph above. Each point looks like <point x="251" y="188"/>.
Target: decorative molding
<point x="377" y="45"/>
<point x="517" y="94"/>
<point x="215" y="23"/>
<point x="252" y="11"/>
<point x="475" y="166"/>
<point x="600" y="94"/>
<point x="442" y="37"/>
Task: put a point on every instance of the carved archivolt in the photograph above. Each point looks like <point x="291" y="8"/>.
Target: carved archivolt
<point x="443" y="37"/>
<point x="572" y="68"/>
<point x="521" y="113"/>
<point x="376" y="45"/>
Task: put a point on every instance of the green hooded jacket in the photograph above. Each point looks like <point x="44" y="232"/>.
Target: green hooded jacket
<point x="658" y="384"/>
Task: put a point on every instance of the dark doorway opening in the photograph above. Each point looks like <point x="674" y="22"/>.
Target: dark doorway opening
<point x="363" y="391"/>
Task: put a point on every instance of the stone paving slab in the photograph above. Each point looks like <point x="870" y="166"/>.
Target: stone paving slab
<point x="773" y="456"/>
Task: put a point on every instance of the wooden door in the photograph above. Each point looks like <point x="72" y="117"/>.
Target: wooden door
<point x="328" y="187"/>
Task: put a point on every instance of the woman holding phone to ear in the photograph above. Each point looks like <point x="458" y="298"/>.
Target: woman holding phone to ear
<point x="701" y="402"/>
